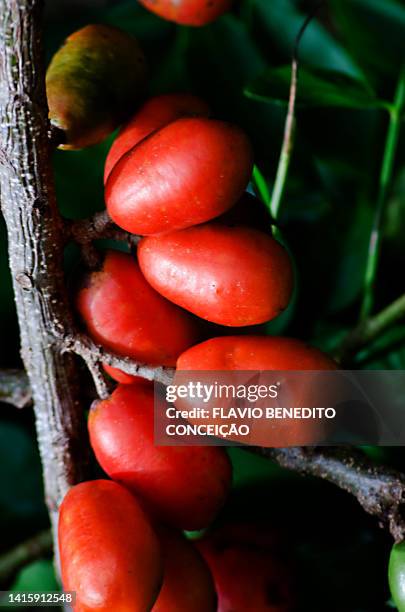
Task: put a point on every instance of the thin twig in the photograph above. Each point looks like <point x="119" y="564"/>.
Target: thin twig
<point x="91" y="353"/>
<point x="16" y="558"/>
<point x="379" y="490"/>
<point x="289" y="127"/>
<point x="15" y="388"/>
<point x="100" y="226"/>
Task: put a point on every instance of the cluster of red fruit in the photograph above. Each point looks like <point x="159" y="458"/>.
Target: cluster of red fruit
<point x="170" y="171"/>
<point x="177" y="178"/>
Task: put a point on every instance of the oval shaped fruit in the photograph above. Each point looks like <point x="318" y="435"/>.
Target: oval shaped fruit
<point x="187" y="581"/>
<point x="233" y="276"/>
<point x="153" y="115"/>
<point x="188" y="172"/>
<point x="248" y="574"/>
<point x="188" y="12"/>
<point x="93" y="82"/>
<point x="185" y="486"/>
<point x="261" y="353"/>
<point x="123" y="313"/>
<point x="254" y="353"/>
<point x="396" y="575"/>
<point x="109" y="553"/>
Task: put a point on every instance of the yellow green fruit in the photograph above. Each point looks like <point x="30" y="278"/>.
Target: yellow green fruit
<point x="93" y="82"/>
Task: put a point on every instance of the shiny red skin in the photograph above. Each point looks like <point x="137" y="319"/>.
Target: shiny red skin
<point x="262" y="353"/>
<point x="248" y="574"/>
<point x="188" y="12"/>
<point x="110" y="555"/>
<point x="234" y="276"/>
<point x="254" y="353"/>
<point x="187" y="581"/>
<point x="153" y="115"/>
<point x="123" y="313"/>
<point x="188" y="172"/>
<point x="183" y="486"/>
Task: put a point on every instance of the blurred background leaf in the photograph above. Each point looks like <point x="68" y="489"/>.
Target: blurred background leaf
<point x="37" y="576"/>
<point x="316" y="87"/>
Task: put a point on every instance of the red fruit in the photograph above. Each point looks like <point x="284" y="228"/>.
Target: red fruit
<point x="187" y="581"/>
<point x="124" y="313"/>
<point x="109" y="553"/>
<point x="185" y="486"/>
<point x="188" y="172"/>
<point x="154" y="114"/>
<point x="188" y="12"/>
<point x="247" y="574"/>
<point x="233" y="276"/>
<point x="254" y="353"/>
<point x="120" y="376"/>
<point x="261" y="353"/>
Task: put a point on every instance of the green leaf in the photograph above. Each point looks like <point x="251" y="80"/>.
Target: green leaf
<point x="37" y="576"/>
<point x="373" y="31"/>
<point x="249" y="468"/>
<point x="316" y="87"/>
<point x="281" y="20"/>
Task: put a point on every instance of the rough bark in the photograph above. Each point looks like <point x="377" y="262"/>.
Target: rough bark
<point x="379" y="490"/>
<point x="35" y="246"/>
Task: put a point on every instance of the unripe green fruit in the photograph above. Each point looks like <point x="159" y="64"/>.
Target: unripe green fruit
<point x="396" y="575"/>
<point x="93" y="83"/>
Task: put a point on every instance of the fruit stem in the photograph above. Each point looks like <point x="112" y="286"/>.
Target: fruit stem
<point x="387" y="167"/>
<point x="289" y="127"/>
<point x="287" y="146"/>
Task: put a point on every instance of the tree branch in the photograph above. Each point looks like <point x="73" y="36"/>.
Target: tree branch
<point x="380" y="491"/>
<point x="15" y="388"/>
<point x="35" y="246"/>
<point x="93" y="353"/>
<point x="85" y="231"/>
<point x="24" y="553"/>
